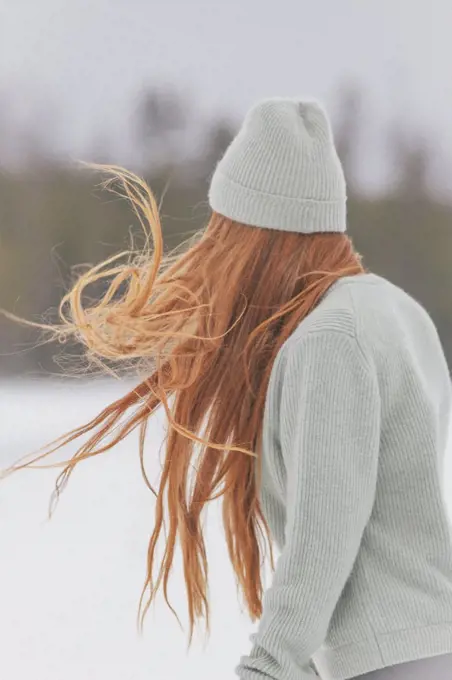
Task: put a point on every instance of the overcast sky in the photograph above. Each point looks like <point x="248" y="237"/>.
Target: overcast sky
<point x="89" y="58"/>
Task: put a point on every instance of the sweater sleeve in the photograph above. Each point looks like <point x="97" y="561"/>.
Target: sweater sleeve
<point x="329" y="434"/>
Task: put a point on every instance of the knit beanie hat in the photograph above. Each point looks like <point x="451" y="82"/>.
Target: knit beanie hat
<point x="282" y="171"/>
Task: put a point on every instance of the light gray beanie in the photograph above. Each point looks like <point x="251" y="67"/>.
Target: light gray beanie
<point x="282" y="171"/>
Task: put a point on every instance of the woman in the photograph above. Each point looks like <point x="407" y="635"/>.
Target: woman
<point x="313" y="396"/>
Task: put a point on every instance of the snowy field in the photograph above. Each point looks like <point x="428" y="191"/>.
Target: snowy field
<point x="69" y="587"/>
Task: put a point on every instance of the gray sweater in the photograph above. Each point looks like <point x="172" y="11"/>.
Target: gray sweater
<point x="355" y="431"/>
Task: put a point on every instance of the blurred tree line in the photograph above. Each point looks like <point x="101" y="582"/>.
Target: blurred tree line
<point x="53" y="218"/>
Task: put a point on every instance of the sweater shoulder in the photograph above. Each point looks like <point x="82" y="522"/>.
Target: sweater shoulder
<point x="366" y="307"/>
<point x="386" y="323"/>
<point x="334" y="314"/>
<point x="332" y="327"/>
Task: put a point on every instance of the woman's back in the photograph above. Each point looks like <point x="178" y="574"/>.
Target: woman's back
<point x="396" y="602"/>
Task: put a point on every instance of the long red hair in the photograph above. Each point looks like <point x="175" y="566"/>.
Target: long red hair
<point x="204" y="327"/>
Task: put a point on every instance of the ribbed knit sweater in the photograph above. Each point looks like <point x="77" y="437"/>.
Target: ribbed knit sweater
<point x="355" y="431"/>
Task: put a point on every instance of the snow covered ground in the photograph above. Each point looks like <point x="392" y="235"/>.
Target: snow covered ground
<point x="69" y="587"/>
